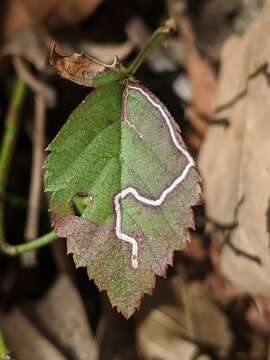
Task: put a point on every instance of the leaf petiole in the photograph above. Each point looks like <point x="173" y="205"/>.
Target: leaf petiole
<point x="156" y="39"/>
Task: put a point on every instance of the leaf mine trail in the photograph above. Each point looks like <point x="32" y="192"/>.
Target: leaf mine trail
<point x="130" y="190"/>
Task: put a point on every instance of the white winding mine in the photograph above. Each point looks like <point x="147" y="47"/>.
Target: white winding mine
<point x="134" y="192"/>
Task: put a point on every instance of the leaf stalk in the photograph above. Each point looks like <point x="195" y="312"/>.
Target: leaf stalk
<point x="156" y="39"/>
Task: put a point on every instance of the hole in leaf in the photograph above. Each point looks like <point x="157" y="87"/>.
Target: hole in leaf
<point x="80" y="202"/>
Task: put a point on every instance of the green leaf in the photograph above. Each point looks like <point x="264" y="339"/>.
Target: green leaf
<point x="122" y="148"/>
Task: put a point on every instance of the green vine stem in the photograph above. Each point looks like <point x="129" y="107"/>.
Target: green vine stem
<point x="8" y="145"/>
<point x="6" y="153"/>
<point x="14" y="250"/>
<point x="156" y="39"/>
<point x="4" y="350"/>
<point x="10" y="132"/>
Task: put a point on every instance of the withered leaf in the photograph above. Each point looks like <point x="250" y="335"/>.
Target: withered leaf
<point x="235" y="161"/>
<point x="80" y="68"/>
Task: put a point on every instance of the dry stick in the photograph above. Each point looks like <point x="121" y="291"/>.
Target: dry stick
<point x="33" y="212"/>
<point x="6" y="153"/>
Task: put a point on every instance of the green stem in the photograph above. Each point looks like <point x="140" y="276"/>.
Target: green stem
<point x="6" y="153"/>
<point x="8" y="144"/>
<point x="14" y="250"/>
<point x="4" y="350"/>
<point x="156" y="39"/>
<point x="10" y="132"/>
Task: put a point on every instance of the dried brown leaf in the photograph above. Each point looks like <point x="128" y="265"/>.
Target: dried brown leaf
<point x="202" y="79"/>
<point x="50" y="14"/>
<point x="235" y="161"/>
<point x="173" y="331"/>
<point x="79" y="68"/>
<point x="28" y="44"/>
<point x="57" y="14"/>
<point x="62" y="314"/>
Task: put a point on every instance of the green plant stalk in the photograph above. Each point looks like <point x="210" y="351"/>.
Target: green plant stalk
<point x="10" y="132"/>
<point x="8" y="145"/>
<point x="156" y="39"/>
<point x="14" y="250"/>
<point x="6" y="153"/>
<point x="4" y="350"/>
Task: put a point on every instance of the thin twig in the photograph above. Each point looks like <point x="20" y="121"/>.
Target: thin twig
<point x="33" y="212"/>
